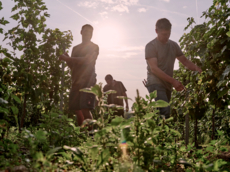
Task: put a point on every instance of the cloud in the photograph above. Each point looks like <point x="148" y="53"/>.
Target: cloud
<point x="166" y="0"/>
<point x="113" y="5"/>
<point x="142" y="10"/>
<point x="167" y="11"/>
<point x="184" y="7"/>
<point x="120" y="8"/>
<point x="108" y="1"/>
<point x="88" y="4"/>
<point x="104" y="15"/>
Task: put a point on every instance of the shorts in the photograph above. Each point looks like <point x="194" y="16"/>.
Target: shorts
<point x="79" y="100"/>
<point x="119" y="112"/>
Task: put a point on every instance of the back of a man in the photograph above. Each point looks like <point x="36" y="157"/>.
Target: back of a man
<point x="120" y="91"/>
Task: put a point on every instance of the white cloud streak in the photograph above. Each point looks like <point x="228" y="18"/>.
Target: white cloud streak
<point x="88" y="4"/>
<point x="142" y="10"/>
<point x="104" y="15"/>
<point x="76" y="12"/>
<point x="120" y="8"/>
<point x="168" y="11"/>
<point x="113" y="5"/>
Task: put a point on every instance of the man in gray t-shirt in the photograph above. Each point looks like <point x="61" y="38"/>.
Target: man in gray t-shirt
<point x="160" y="55"/>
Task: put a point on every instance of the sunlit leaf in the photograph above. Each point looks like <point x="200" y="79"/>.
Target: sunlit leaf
<point x="4" y="110"/>
<point x="110" y="92"/>
<point x="14" y="109"/>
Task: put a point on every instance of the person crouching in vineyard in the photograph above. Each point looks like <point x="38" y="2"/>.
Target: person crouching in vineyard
<point x="82" y="64"/>
<point x="160" y="54"/>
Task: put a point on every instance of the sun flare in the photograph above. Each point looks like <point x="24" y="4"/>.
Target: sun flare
<point x="108" y="36"/>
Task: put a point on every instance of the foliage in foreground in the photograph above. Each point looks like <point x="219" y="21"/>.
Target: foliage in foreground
<point x="151" y="142"/>
<point x="51" y="141"/>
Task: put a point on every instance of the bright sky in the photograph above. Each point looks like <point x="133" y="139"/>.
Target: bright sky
<point x="122" y="28"/>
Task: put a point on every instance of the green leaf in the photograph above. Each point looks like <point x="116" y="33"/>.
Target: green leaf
<point x="159" y="103"/>
<point x="116" y="121"/>
<point x="6" y="59"/>
<point x="14" y="109"/>
<point x="52" y="151"/>
<point x="223" y="92"/>
<point x="123" y="97"/>
<point x="223" y="49"/>
<point x="16" y="98"/>
<point x="149" y="115"/>
<point x="226" y="71"/>
<point x="228" y="33"/>
<point x="76" y="151"/>
<point x="221" y="83"/>
<point x="103" y="157"/>
<point x="110" y="92"/>
<point x="15" y="16"/>
<point x="4" y="110"/>
<point x="153" y="95"/>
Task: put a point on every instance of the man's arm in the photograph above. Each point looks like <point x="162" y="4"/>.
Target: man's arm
<point x="187" y="63"/>
<point x="90" y="57"/>
<point x="159" y="73"/>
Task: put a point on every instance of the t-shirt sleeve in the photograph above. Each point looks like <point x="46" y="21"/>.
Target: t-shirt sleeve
<point x="150" y="51"/>
<point x="178" y="50"/>
<point x="122" y="87"/>
<point x="105" y="88"/>
<point x="97" y="49"/>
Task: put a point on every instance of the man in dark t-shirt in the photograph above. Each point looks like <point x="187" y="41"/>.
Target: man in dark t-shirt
<point x="82" y="64"/>
<point x="160" y="55"/>
<point x="120" y="91"/>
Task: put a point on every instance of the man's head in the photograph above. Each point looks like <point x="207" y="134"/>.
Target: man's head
<point x="109" y="79"/>
<point x="163" y="30"/>
<point x="87" y="32"/>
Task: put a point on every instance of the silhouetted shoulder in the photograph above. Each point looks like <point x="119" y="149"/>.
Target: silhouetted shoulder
<point x="151" y="43"/>
<point x="105" y="88"/>
<point x="76" y="46"/>
<point x="172" y="42"/>
<point x="95" y="47"/>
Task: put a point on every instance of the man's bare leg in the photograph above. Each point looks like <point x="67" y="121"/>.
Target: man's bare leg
<point x="80" y="117"/>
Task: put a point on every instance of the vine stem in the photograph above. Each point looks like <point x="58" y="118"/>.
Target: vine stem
<point x="213" y="123"/>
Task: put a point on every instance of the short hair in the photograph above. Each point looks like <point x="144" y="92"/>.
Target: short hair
<point x="87" y="25"/>
<point x="163" y="24"/>
<point x="108" y="77"/>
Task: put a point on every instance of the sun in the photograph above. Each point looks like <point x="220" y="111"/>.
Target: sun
<point x="108" y="36"/>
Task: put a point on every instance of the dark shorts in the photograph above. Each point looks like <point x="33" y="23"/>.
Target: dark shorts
<point x="119" y="112"/>
<point x="79" y="100"/>
<point x="162" y="94"/>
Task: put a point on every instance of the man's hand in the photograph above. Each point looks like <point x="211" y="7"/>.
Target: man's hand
<point x="144" y="82"/>
<point x="198" y="69"/>
<point x="127" y="108"/>
<point x="64" y="56"/>
<point x="178" y="85"/>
